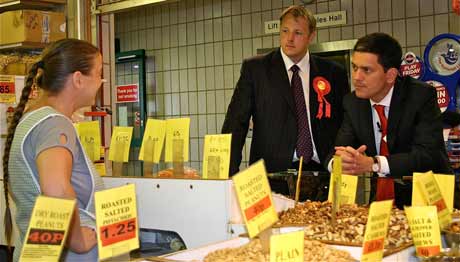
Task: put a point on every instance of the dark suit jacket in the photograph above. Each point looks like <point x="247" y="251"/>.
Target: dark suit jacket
<point x="264" y="92"/>
<point x="414" y="134"/>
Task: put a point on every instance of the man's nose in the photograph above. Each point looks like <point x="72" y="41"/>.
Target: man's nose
<point x="357" y="75"/>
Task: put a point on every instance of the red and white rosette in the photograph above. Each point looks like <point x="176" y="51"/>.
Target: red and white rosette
<point x="322" y="87"/>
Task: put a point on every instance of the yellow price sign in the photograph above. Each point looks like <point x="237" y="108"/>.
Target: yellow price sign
<point x="446" y="182"/>
<point x="116" y="220"/>
<point x="431" y="192"/>
<point x="100" y="168"/>
<point x="152" y="143"/>
<point x="254" y="196"/>
<point x="177" y="140"/>
<point x="216" y="156"/>
<point x="48" y="229"/>
<point x="287" y="247"/>
<point x="348" y="189"/>
<point x="376" y="230"/>
<point x="424" y="227"/>
<point x="120" y="143"/>
<point x="90" y="139"/>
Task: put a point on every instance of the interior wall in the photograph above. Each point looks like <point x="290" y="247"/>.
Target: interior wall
<point x="195" y="47"/>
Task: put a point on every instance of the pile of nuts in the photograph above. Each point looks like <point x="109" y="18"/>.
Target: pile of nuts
<point x="350" y="226"/>
<point x="456" y="213"/>
<point x="454" y="227"/>
<point x="252" y="252"/>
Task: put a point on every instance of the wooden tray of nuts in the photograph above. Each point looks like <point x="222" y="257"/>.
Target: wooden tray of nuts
<point x="313" y="251"/>
<point x="315" y="218"/>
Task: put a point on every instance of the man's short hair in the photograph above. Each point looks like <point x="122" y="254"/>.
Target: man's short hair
<point x="300" y="11"/>
<point x="387" y="49"/>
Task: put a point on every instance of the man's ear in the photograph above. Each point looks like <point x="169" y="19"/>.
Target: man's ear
<point x="77" y="79"/>
<point x="312" y="36"/>
<point x="391" y="75"/>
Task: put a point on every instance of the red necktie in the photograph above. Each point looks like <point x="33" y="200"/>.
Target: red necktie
<point x="304" y="144"/>
<point x="385" y="185"/>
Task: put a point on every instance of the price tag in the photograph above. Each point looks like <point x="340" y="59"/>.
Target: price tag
<point x="177" y="134"/>
<point x="376" y="230"/>
<point x="431" y="192"/>
<point x="7" y="89"/>
<point x="90" y="139"/>
<point x="48" y="229"/>
<point x="120" y="143"/>
<point x="347" y="190"/>
<point x="116" y="220"/>
<point x="216" y="156"/>
<point x="254" y="196"/>
<point x="287" y="247"/>
<point x="100" y="168"/>
<point x="152" y="143"/>
<point x="424" y="227"/>
<point x="336" y="179"/>
<point x="446" y="182"/>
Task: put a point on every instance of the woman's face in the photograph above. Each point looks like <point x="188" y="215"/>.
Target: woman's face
<point x="93" y="81"/>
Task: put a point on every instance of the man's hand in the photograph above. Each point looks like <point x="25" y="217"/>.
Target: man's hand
<point x="354" y="161"/>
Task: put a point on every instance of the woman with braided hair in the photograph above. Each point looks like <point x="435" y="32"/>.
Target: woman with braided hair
<point x="43" y="154"/>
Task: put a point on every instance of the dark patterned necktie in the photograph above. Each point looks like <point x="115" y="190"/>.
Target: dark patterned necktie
<point x="385" y="185"/>
<point x="304" y="143"/>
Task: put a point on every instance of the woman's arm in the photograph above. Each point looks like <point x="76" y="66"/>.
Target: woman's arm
<point x="55" y="170"/>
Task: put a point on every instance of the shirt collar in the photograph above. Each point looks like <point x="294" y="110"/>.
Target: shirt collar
<point x="386" y="101"/>
<point x="302" y="64"/>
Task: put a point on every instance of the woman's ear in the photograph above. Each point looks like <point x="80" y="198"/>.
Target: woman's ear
<point x="77" y="79"/>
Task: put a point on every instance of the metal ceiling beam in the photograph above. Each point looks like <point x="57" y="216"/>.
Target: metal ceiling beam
<point x="124" y="5"/>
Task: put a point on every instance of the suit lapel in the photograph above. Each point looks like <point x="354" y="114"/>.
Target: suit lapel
<point x="394" y="116"/>
<point x="279" y="79"/>
<point x="367" y="126"/>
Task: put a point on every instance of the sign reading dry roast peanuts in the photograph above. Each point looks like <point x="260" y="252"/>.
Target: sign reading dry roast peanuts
<point x="116" y="220"/>
<point x="7" y="89"/>
<point x="424" y="227"/>
<point x="127" y="93"/>
<point x="287" y="247"/>
<point x="254" y="196"/>
<point x="376" y="230"/>
<point x="442" y="94"/>
<point x="411" y="66"/>
<point x="48" y="229"/>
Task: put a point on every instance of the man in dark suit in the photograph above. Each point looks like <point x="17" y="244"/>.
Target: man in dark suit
<point x="293" y="97"/>
<point x="392" y="125"/>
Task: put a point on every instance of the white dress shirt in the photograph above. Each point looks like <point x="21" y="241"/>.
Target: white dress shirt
<point x="386" y="101"/>
<point x="304" y="73"/>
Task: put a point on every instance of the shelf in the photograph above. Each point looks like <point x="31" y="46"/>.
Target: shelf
<point x="123" y="5"/>
<point x="29" y="4"/>
<point x="23" y="46"/>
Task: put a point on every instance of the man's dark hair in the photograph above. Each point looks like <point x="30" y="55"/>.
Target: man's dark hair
<point x="387" y="49"/>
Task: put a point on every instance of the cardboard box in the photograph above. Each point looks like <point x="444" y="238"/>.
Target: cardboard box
<point x="31" y="26"/>
<point x="17" y="69"/>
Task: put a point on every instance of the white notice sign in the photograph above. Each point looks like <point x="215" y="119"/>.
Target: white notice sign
<point x="322" y="20"/>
